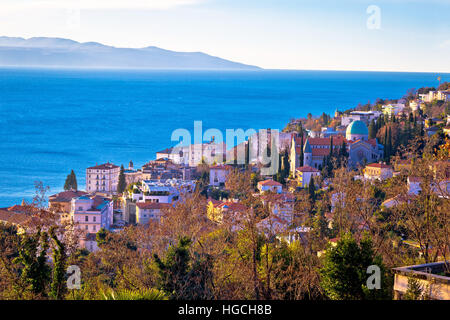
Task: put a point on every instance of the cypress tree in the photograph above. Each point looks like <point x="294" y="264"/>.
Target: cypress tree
<point x="389" y="144"/>
<point x="121" y="185"/>
<point x="312" y="190"/>
<point x="372" y="129"/>
<point x="74" y="181"/>
<point x="71" y="182"/>
<point x="301" y="153"/>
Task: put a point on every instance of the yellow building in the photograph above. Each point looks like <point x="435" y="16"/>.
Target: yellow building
<point x="378" y="171"/>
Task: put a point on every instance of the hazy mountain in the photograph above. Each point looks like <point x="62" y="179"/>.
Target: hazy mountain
<point x="68" y="53"/>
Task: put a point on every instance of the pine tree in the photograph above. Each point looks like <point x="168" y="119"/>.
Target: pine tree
<point x="122" y="184"/>
<point x="344" y="277"/>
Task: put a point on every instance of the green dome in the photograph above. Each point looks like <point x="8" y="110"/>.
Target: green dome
<point x="357" y="127"/>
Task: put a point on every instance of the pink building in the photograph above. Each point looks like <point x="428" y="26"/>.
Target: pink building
<point x="91" y="213"/>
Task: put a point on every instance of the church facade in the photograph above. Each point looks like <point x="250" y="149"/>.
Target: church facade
<point x="360" y="148"/>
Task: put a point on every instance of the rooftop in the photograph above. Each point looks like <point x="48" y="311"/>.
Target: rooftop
<point x="307" y="169"/>
<point x="104" y="166"/>
<point x="270" y="183"/>
<point x="378" y="165"/>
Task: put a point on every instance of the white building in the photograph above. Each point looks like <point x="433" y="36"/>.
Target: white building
<point x="365" y="116"/>
<point x="218" y="174"/>
<point x="304" y="174"/>
<point x="270" y="185"/>
<point x="435" y="95"/>
<point x="158" y="191"/>
<point x="393" y="109"/>
<point x="194" y="154"/>
<point x="102" y="178"/>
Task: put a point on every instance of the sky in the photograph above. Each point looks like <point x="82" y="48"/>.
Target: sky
<point x="376" y="35"/>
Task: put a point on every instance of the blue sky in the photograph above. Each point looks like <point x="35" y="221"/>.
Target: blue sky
<point x="413" y="35"/>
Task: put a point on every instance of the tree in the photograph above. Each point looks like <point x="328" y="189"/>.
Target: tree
<point x="301" y="152"/>
<point x="101" y="237"/>
<point x="122" y="184"/>
<point x="58" y="286"/>
<point x="71" y="182"/>
<point x="180" y="277"/>
<point x="372" y="130"/>
<point x="312" y="191"/>
<point x="32" y="257"/>
<point x="320" y="225"/>
<point x="344" y="272"/>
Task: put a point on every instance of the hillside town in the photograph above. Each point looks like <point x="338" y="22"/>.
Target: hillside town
<point x="375" y="178"/>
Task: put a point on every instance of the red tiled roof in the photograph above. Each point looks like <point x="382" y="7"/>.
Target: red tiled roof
<point x="152" y="205"/>
<point x="337" y="140"/>
<point x="378" y="165"/>
<point x="66" y="196"/>
<point x="14" y="217"/>
<point x="214" y="202"/>
<point x="307" y="169"/>
<point x="270" y="183"/>
<point x="320" y="152"/>
<point x="18" y="208"/>
<point x="104" y="166"/>
<point x="233" y="206"/>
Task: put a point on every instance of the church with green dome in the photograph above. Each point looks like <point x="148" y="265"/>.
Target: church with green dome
<point x="360" y="148"/>
<point x="357" y="130"/>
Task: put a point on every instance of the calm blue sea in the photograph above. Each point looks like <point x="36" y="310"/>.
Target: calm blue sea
<point x="52" y="121"/>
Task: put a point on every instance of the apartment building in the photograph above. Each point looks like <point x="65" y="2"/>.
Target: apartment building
<point x="102" y="178"/>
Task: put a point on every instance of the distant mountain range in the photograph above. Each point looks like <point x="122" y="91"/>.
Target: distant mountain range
<point x="57" y="52"/>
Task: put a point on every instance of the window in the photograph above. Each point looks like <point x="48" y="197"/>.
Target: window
<point x="94" y="228"/>
<point x="95" y="219"/>
<point x="87" y="228"/>
<point x="80" y="208"/>
<point x="86" y="218"/>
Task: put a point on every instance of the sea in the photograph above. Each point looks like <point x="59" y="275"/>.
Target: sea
<point x="56" y="120"/>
